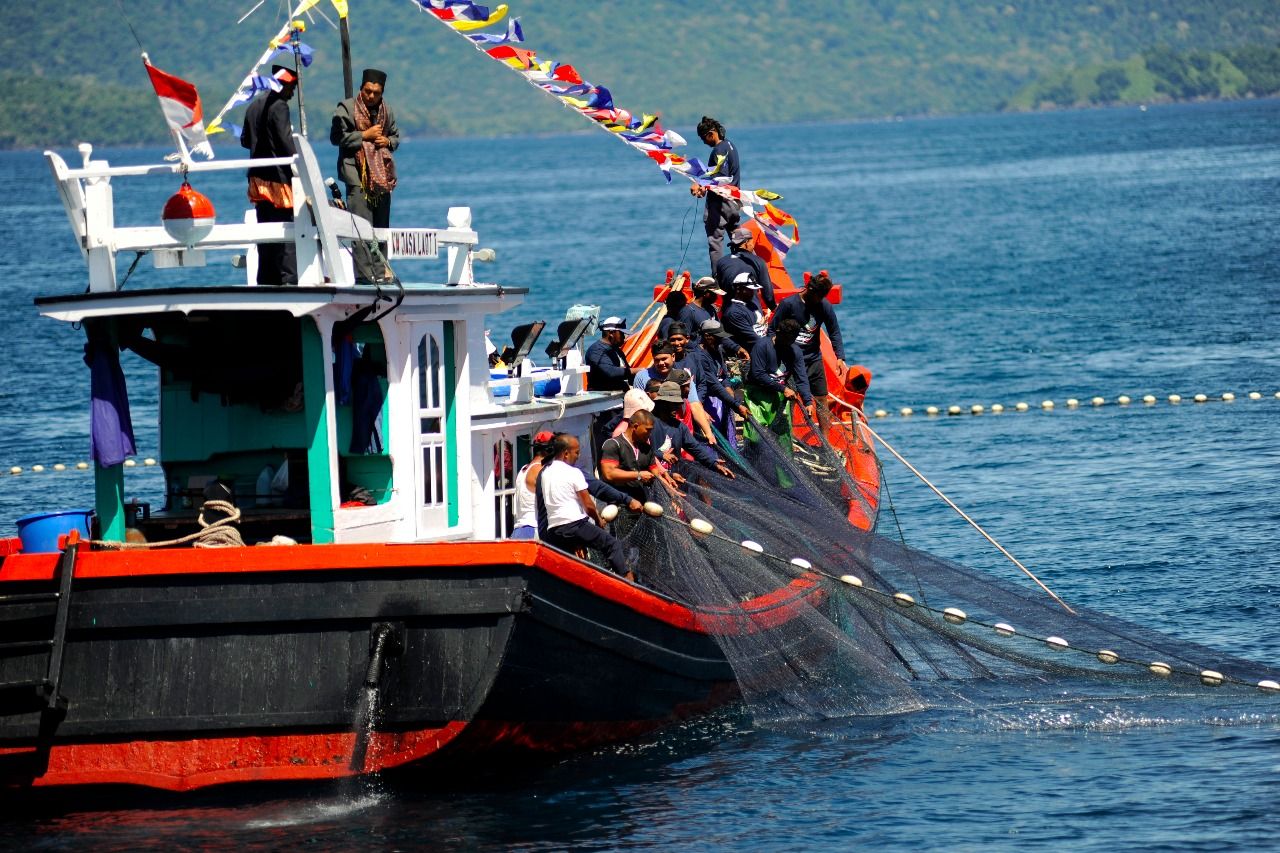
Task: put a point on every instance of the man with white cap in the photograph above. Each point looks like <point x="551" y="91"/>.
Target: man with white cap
<point x="268" y="132"/>
<point x="741" y="259"/>
<point x="609" y="368"/>
<point x="743" y="320"/>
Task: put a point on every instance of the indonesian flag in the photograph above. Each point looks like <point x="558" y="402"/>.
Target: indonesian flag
<point x="180" y="103"/>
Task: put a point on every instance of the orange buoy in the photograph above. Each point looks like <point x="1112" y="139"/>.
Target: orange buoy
<point x="188" y="215"/>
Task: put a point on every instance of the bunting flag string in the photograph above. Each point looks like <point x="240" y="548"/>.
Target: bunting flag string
<point x="643" y="132"/>
<point x="253" y="83"/>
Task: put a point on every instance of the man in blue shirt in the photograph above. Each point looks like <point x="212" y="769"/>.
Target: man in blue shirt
<point x="776" y="361"/>
<point x="721" y="214"/>
<point x="742" y="319"/>
<point x="609" y="368"/>
<point x="741" y="260"/>
<point x="670" y="435"/>
<point x="678" y="311"/>
<point x="721" y="402"/>
<point x="812" y="311"/>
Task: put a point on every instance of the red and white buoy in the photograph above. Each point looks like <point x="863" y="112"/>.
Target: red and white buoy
<point x="188" y="215"/>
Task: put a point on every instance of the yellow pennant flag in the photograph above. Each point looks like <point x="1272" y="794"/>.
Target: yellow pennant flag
<point x="499" y="13"/>
<point x="340" y="6"/>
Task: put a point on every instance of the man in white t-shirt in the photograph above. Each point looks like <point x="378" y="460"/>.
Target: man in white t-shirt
<point x="568" y="518"/>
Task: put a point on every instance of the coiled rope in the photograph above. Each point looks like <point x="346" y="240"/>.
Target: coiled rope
<point x="219" y="533"/>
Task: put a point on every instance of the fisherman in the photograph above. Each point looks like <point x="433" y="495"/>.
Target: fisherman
<point x="626" y="459"/>
<point x="743" y="259"/>
<point x="812" y="311"/>
<point x="720" y="400"/>
<point x="609" y="368"/>
<point x="705" y="382"/>
<point x="742" y="319"/>
<point x="364" y="130"/>
<point x="525" y="525"/>
<point x="671" y="437"/>
<point x="567" y="516"/>
<point x="678" y="311"/>
<point x="703" y="307"/>
<point x="268" y="132"/>
<point x="664" y="361"/>
<point x="526" y="517"/>
<point x="721" y="214"/>
<point x="776" y="361"/>
<point x="633" y="401"/>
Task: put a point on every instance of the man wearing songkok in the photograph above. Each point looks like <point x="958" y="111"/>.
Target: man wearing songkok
<point x="364" y="130"/>
<point x="268" y="132"/>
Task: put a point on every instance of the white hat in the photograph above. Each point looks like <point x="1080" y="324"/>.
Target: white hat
<point x="746" y="279"/>
<point x="613" y="324"/>
<point x="634" y="401"/>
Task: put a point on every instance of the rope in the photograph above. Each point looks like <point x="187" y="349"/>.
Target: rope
<point x="212" y="534"/>
<point x="966" y="517"/>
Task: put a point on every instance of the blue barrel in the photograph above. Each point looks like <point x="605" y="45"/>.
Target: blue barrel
<point x="39" y="532"/>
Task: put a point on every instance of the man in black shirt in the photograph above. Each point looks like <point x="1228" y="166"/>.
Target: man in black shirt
<point x="268" y="132"/>
<point x="721" y="214"/>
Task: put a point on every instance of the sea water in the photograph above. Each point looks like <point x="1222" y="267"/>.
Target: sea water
<point x="984" y="260"/>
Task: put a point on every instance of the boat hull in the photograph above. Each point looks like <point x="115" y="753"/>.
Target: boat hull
<point x="184" y="669"/>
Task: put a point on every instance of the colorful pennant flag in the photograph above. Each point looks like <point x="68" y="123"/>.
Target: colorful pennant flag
<point x="594" y="102"/>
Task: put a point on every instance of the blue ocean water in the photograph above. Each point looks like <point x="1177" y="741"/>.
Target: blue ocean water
<point x="988" y="259"/>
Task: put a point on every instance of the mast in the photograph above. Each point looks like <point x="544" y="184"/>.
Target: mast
<point x="347" y="88"/>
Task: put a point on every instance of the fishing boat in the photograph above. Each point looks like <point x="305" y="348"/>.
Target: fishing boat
<point x="328" y="590"/>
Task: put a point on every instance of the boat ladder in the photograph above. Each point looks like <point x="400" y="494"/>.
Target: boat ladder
<point x="45" y="692"/>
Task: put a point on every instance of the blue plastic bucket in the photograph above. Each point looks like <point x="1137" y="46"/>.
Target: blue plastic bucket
<point x="39" y="532"/>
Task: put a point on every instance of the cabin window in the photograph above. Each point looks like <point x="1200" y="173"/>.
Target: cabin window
<point x="504" y="487"/>
<point x="431" y="415"/>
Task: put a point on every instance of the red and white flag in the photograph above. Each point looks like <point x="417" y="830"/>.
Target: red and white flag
<point x="181" y="105"/>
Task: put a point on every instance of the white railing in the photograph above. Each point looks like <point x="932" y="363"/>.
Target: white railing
<point x="319" y="229"/>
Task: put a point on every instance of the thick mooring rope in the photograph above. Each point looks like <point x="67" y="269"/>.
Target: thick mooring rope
<point x="212" y="534"/>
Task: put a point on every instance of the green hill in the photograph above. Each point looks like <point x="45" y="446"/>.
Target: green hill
<point x="1160" y="74"/>
<point x="71" y="69"/>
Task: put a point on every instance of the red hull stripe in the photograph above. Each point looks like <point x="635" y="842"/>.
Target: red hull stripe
<point x="370" y="557"/>
<point x="184" y="765"/>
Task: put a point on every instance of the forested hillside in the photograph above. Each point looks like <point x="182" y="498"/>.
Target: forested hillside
<point x="71" y="69"/>
<point x="1157" y="75"/>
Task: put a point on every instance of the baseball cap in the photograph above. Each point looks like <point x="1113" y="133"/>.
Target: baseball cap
<point x="544" y="437"/>
<point x="746" y="279"/>
<point x="713" y="327"/>
<point x="634" y="401"/>
<point x="706" y="283"/>
<point x="739" y="236"/>
<point x="613" y="324"/>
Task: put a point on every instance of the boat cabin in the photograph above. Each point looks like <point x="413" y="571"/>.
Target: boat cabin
<point x="327" y="411"/>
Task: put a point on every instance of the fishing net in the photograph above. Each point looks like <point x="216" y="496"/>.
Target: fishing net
<point x="822" y="620"/>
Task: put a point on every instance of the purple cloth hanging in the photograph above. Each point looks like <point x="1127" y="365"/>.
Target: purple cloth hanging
<point x="110" y="427"/>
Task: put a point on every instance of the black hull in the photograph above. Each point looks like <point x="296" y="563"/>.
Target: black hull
<point x="262" y="673"/>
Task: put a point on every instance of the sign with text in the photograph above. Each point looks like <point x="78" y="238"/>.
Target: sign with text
<point x="412" y="243"/>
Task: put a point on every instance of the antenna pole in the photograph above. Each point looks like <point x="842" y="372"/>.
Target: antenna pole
<point x="347" y="86"/>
